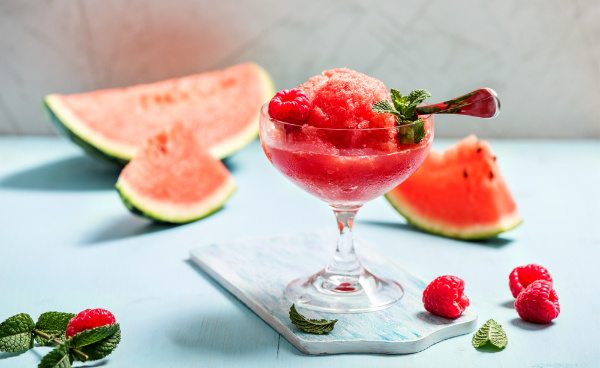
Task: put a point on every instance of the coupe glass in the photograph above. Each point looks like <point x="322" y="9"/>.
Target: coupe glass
<point x="345" y="168"/>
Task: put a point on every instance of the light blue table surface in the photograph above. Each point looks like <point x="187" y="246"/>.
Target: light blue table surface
<point x="67" y="243"/>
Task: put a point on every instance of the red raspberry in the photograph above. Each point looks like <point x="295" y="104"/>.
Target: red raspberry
<point x="444" y="297"/>
<point x="538" y="302"/>
<point x="291" y="106"/>
<point x="88" y="319"/>
<point x="522" y="276"/>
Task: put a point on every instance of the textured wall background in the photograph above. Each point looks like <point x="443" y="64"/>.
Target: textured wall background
<point x="541" y="56"/>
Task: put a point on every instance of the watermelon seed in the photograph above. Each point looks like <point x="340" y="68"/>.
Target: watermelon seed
<point x="465" y="174"/>
<point x="491" y="174"/>
<point x="478" y="149"/>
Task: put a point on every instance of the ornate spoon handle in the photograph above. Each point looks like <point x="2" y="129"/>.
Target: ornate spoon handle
<point x="481" y="103"/>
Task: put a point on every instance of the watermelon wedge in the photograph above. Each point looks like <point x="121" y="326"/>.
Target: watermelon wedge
<point x="222" y="106"/>
<point x="459" y="193"/>
<point x="174" y="179"/>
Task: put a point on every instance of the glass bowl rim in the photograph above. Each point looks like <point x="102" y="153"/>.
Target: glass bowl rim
<point x="265" y="114"/>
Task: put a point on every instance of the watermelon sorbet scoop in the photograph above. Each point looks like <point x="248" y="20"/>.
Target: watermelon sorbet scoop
<point x="343" y="99"/>
<point x="337" y="99"/>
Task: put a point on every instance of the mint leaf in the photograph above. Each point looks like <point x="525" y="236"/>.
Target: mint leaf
<point x="57" y="358"/>
<point x="53" y="324"/>
<point x="102" y="348"/>
<point x="97" y="342"/>
<point x="491" y="331"/>
<point x="414" y="98"/>
<point x="384" y="107"/>
<point x="404" y="109"/>
<point x="16" y="333"/>
<point x="418" y="130"/>
<point x="406" y="105"/>
<point x="397" y="100"/>
<point x="313" y="326"/>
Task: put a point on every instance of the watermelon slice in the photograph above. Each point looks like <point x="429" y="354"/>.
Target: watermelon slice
<point x="222" y="106"/>
<point x="459" y="193"/>
<point x="174" y="179"/>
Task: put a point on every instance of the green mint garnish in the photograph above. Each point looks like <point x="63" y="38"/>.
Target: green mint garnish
<point x="57" y="358"/>
<point x="404" y="109"/>
<point x="491" y="331"/>
<point x="18" y="332"/>
<point x="15" y="333"/>
<point x="97" y="342"/>
<point x="313" y="326"/>
<point x="53" y="324"/>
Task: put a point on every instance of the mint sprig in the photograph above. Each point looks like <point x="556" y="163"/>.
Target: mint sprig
<point x="491" y="331"/>
<point x="411" y="128"/>
<point x="313" y="326"/>
<point x="18" y="333"/>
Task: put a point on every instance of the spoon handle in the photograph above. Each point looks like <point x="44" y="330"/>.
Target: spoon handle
<point x="481" y="103"/>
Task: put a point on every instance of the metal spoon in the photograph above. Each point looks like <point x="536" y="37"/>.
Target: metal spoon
<point x="481" y="103"/>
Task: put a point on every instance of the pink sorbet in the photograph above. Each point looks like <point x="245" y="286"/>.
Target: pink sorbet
<point x="343" y="98"/>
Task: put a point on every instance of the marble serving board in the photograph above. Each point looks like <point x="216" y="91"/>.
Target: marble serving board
<point x="256" y="271"/>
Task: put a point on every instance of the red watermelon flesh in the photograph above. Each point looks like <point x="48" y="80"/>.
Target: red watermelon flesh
<point x="459" y="193"/>
<point x="174" y="178"/>
<point x="221" y="105"/>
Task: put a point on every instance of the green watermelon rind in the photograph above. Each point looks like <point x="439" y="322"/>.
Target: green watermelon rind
<point x="63" y="119"/>
<point x="159" y="212"/>
<point x="476" y="232"/>
<point x="110" y="151"/>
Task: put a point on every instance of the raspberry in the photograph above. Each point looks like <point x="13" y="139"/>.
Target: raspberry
<point x="444" y="297"/>
<point x="538" y="303"/>
<point x="88" y="319"/>
<point x="522" y="276"/>
<point x="291" y="106"/>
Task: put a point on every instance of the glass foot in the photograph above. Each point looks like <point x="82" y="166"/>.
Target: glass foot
<point x="344" y="294"/>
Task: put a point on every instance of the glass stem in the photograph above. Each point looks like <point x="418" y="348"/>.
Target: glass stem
<point x="344" y="261"/>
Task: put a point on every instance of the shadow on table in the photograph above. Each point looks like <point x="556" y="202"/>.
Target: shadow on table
<point x="10" y="355"/>
<point x="494" y="242"/>
<point x="101" y="363"/>
<point x="230" y="164"/>
<point x="510" y="304"/>
<point x="125" y="226"/>
<point x="518" y="322"/>
<point x="73" y="173"/>
<point x="489" y="348"/>
<point x="39" y="355"/>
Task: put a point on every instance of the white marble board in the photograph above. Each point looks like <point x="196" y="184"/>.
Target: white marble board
<point x="257" y="270"/>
